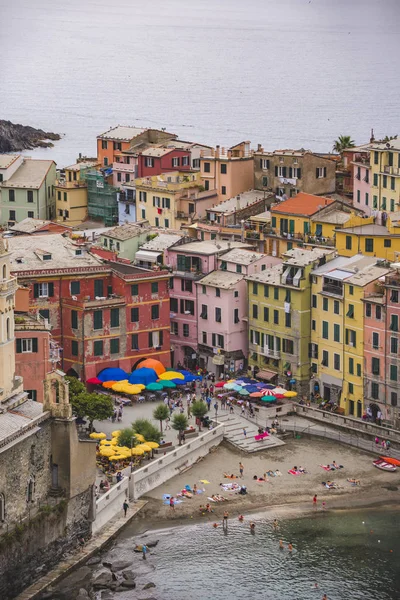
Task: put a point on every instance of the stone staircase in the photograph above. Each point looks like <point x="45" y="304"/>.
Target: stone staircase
<point x="233" y="433"/>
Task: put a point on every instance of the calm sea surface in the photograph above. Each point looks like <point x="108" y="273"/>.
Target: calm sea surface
<point x="285" y="73"/>
<point x="347" y="554"/>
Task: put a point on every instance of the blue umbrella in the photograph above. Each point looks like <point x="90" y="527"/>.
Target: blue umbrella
<point x="268" y="386"/>
<point x="112" y="374"/>
<point x="247" y="379"/>
<point x="178" y="381"/>
<point x="143" y="376"/>
<point x="251" y="388"/>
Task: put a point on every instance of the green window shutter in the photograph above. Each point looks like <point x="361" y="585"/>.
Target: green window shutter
<point x="34" y="344"/>
<point x="273" y="221"/>
<point x="351" y="366"/>
<point x="114" y="317"/>
<point x="134" y="315"/>
<point x="51" y="289"/>
<point x="75" y="288"/>
<point x="98" y="348"/>
<point x="134" y="289"/>
<point x="291" y="226"/>
<point x="336" y="332"/>
<point x="98" y="319"/>
<point x="36" y="290"/>
<point x="114" y="346"/>
<point x="74" y="319"/>
<point x="19" y="345"/>
<point x="358" y="370"/>
<point x="74" y="348"/>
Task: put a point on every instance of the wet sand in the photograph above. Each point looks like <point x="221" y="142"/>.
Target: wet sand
<point x="288" y="494"/>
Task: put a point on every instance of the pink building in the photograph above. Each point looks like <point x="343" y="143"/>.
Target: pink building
<point x="361" y="183"/>
<point x="189" y="263"/>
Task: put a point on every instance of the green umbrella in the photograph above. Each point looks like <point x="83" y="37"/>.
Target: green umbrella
<point x="268" y="399"/>
<point x="168" y="384"/>
<point x="154" y="387"/>
<point x="244" y="392"/>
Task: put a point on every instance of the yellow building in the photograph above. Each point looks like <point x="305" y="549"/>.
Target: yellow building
<point x="71" y="194"/>
<point x="302" y="221"/>
<point x="370" y="239"/>
<point x="339" y="289"/>
<point x="171" y="200"/>
<point x="280" y="318"/>
<point x="385" y="175"/>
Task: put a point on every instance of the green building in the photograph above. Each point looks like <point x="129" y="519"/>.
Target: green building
<point x="280" y="318"/>
<point x="29" y="192"/>
<point x="102" y="199"/>
<point x="125" y="239"/>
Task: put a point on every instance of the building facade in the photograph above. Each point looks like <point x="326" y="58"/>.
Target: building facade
<point x="228" y="171"/>
<point x="125" y="240"/>
<point x="385" y="175"/>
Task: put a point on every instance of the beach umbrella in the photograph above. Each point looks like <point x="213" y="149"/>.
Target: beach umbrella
<point x="251" y="388"/>
<point x="168" y="375"/>
<point x="119" y="386"/>
<point x="167" y="384"/>
<point x="137" y="451"/>
<point x="268" y="386"/>
<point x="279" y="390"/>
<point x="114" y="374"/>
<point x="105" y="443"/>
<point x="115" y="433"/>
<point x="278" y="396"/>
<point x="220" y="384"/>
<point x="152" y="444"/>
<point x="94" y="381"/>
<point x="154" y="387"/>
<point x="106" y="452"/>
<point x="139" y="437"/>
<point x="133" y="388"/>
<point x="244" y="392"/>
<point x="143" y="376"/>
<point x="256" y="394"/>
<point x="237" y="388"/>
<point x="152" y="363"/>
<point x="290" y="394"/>
<point x="108" y="384"/>
<point x="230" y="386"/>
<point x="145" y="447"/>
<point x="178" y="381"/>
<point x="247" y="379"/>
<point x="268" y="399"/>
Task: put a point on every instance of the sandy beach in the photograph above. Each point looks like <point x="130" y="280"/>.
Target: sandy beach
<point x="288" y="492"/>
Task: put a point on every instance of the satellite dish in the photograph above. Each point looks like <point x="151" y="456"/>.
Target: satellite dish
<point x="387" y="145"/>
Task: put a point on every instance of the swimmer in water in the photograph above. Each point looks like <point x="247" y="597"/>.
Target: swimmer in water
<point x="252" y="527"/>
<point x="281" y="546"/>
<point x="241" y="517"/>
<point x="275" y="524"/>
<point x="215" y="525"/>
<point x="290" y="547"/>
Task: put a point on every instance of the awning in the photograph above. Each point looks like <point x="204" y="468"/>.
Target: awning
<point x="267" y="375"/>
<point x="147" y="256"/>
<point x="218" y="359"/>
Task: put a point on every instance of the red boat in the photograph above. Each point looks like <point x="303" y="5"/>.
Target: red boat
<point x="381" y="463"/>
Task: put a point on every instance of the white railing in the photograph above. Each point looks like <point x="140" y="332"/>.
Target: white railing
<point x="109" y="497"/>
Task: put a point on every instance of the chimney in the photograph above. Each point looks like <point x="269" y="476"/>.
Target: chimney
<point x="238" y="202"/>
<point x="260" y="148"/>
<point x="372" y="138"/>
<point x="216" y="151"/>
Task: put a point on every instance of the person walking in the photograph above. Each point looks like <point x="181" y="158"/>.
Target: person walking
<point x="125" y="506"/>
<point x="244" y="432"/>
<point x="144" y="551"/>
<point x="172" y="503"/>
<point x="225" y="519"/>
<point x="241" y="469"/>
<point x="315" y="501"/>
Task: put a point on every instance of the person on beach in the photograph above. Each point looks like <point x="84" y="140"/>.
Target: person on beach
<point x="275" y="524"/>
<point x="144" y="551"/>
<point x="225" y="519"/>
<point x="244" y="432"/>
<point x="314" y="500"/>
<point x="195" y="489"/>
<point x="241" y="518"/>
<point x="241" y="469"/>
<point x="125" y="506"/>
<point x="172" y="503"/>
<point x="252" y="527"/>
<point x="290" y="547"/>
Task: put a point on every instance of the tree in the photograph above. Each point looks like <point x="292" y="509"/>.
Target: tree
<point x="75" y="387"/>
<point x="126" y="438"/>
<point x="147" y="429"/>
<point x="161" y="413"/>
<point x="179" y="423"/>
<point x="343" y="142"/>
<point x="199" y="409"/>
<point x="93" y="406"/>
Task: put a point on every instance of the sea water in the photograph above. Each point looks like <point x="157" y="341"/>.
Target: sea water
<point x="349" y="555"/>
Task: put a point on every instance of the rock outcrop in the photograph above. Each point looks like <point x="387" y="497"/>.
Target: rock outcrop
<point x="15" y="137"/>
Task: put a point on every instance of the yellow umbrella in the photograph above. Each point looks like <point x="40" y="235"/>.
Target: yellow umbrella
<point x="93" y="436"/>
<point x="168" y="375"/>
<point x="152" y="444"/>
<point x="116" y="433"/>
<point x="101" y="436"/>
<point x="105" y="443"/>
<point x="137" y="451"/>
<point x="139" y="437"/>
<point x="116" y="457"/>
<point x="107" y="451"/>
<point x="120" y="385"/>
<point x="145" y="447"/>
<point x="290" y="394"/>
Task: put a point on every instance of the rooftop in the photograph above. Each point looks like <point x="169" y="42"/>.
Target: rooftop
<point x="385" y="146"/>
<point x="303" y="204"/>
<point x="209" y="247"/>
<point x="122" y="133"/>
<point x="222" y="279"/>
<point x="271" y="276"/>
<point x="358" y="269"/>
<point x="30" y="174"/>
<point x="297" y="257"/>
<point x="158" y="151"/>
<point x="162" y="242"/>
<point x="20" y="419"/>
<point x="87" y="164"/>
<point x="26" y="251"/>
<point x="238" y="202"/>
<point x="126" y="231"/>
<point x="370" y="229"/>
<point x="337" y="217"/>
<point x="29" y="225"/>
<point x="264" y="217"/>
<point x="6" y="160"/>
<point x="242" y="256"/>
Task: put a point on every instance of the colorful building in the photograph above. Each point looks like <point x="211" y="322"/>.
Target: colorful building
<point x="360" y="169"/>
<point x="367" y="237"/>
<point x="351" y="158"/>
<point x="340" y="289"/>
<point x="154" y="252"/>
<point x="385" y="175"/>
<point x="280" y="318"/>
<point x="125" y="240"/>
<point x="102" y="314"/>
<point x="229" y="171"/>
<point x="112" y="143"/>
<point x="288" y="172"/>
<point x="236" y="210"/>
<point x="28" y="191"/>
<point x="71" y="194"/>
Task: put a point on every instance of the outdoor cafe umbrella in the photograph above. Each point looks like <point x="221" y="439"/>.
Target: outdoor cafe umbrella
<point x="139" y="437"/>
<point x="154" y="387"/>
<point x="137" y="451"/>
<point x="145" y="447"/>
<point x="220" y="384"/>
<point x="152" y="363"/>
<point x="168" y="375"/>
<point x="268" y="399"/>
<point x="290" y="394"/>
<point x="94" y="381"/>
<point x="143" y="376"/>
<point x="256" y="394"/>
<point x="230" y="386"/>
<point x="167" y="384"/>
<point x="279" y="390"/>
<point x="114" y="374"/>
<point x="152" y="444"/>
<point x="251" y="388"/>
<point x="108" y="384"/>
<point x="244" y="392"/>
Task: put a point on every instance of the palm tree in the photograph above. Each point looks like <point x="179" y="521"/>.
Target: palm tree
<point x="199" y="409"/>
<point x="179" y="423"/>
<point x="161" y="413"/>
<point x="343" y="142"/>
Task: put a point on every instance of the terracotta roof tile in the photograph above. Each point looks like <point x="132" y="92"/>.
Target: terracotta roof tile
<point x="302" y="204"/>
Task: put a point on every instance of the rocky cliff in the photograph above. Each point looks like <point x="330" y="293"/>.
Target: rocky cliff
<point x="14" y="138"/>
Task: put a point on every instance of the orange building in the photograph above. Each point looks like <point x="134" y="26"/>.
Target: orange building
<point x="113" y="142"/>
<point x="229" y="171"/>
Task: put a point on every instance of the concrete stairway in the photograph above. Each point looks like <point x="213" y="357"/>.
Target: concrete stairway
<point x="234" y="425"/>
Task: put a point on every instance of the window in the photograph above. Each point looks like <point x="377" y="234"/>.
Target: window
<point x="223" y="190"/>
<point x="351" y="337"/>
<point x="264" y="164"/>
<point x="392" y="183"/>
<point x="287" y="346"/>
<point x="105" y="161"/>
<point x="134" y="341"/>
<point x="204" y="337"/>
<point x="366" y="198"/>
<point x="266" y="291"/>
<point x="187" y="307"/>
<point x="207" y="167"/>
<point x="217" y="340"/>
<point x="387" y="243"/>
<point x="392" y="205"/>
<point x="336" y="333"/>
<point x="143" y="196"/>
<point x="155" y="312"/>
<point x="11" y="215"/>
<point x="325" y="358"/>
<point x="98" y="319"/>
<point x="394" y="345"/>
<point x="325" y="304"/>
<point x="114" y="346"/>
<point x="374" y="201"/>
<point x="223" y="169"/>
<point x="175" y="162"/>
<point x="157" y="201"/>
<point x="156" y="339"/>
<point x="393" y="398"/>
<point x="119" y="176"/>
<point x="336" y="307"/>
<point x="313" y="324"/>
<point x="375" y="340"/>
<point x="98" y="288"/>
<point x="320" y="172"/>
<point x="266" y="314"/>
<point x="236" y="315"/>
<point x="358" y="370"/>
<point x="336" y="362"/>
<point x="218" y="315"/>
<point x="273" y="221"/>
<point x="325" y="329"/>
<point x="74" y="348"/>
<point x="255" y="311"/>
<point x="368" y="309"/>
<point x="98" y="348"/>
<point x="166" y="203"/>
<point x="186" y="285"/>
<point x="185" y="330"/>
<point x="27" y="345"/>
<point x="375" y="391"/>
<point x="393" y="373"/>
<point x="264" y="181"/>
<point x="238" y="268"/>
<point x="217" y="292"/>
<point x="369" y="245"/>
<point x="75" y="288"/>
<point x="255" y="288"/>
<point x="43" y="290"/>
<point x="29" y="194"/>
<point x="394" y="296"/>
<point x="185" y="161"/>
<point x="351" y="391"/>
<point x="276" y="317"/>
<point x="288" y="319"/>
<point x="384" y="181"/>
<point x="223" y="265"/>
<point x="351" y="290"/>
<point x="135" y="315"/>
<point x="203" y="314"/>
<point x="358" y="196"/>
<point x="114" y="317"/>
<point x="166" y="223"/>
<point x="348" y="242"/>
<point x="11" y="195"/>
<point x="383" y="204"/>
<point x="154" y="287"/>
<point x="375" y="366"/>
<point x="134" y="289"/>
<point x="74" y="319"/>
<point x="31" y="214"/>
<point x="45" y="313"/>
<point x="104" y="144"/>
<point x="350" y="312"/>
<point x="314" y="301"/>
<point x="236" y="294"/>
<point x="394" y="323"/>
<point x="276" y="293"/>
<point x="65" y="196"/>
<point x="206" y="185"/>
<point x="375" y="180"/>
<point x="203" y="289"/>
<point x="149" y="162"/>
<point x="351" y="366"/>
<point x="378" y="313"/>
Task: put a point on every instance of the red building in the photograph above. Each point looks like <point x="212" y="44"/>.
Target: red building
<point x="161" y="159"/>
<point x="102" y="314"/>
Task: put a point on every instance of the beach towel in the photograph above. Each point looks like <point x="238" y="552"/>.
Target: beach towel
<point x="325" y="467"/>
<point x="204" y="481"/>
<point x="166" y="502"/>
<point x="292" y="472"/>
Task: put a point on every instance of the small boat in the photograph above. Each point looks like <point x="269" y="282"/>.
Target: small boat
<point x="380" y="463"/>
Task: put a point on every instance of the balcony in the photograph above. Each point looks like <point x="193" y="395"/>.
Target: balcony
<point x="61" y="183"/>
<point x="395" y="171"/>
<point x="8" y="286"/>
<point x="121" y="167"/>
<point x="192" y="274"/>
<point x="265" y="351"/>
<point x="100" y="302"/>
<point x="331" y="288"/>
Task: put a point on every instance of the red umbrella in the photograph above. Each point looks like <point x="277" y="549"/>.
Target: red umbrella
<point x="278" y="396"/>
<point x="94" y="380"/>
<point x="220" y="384"/>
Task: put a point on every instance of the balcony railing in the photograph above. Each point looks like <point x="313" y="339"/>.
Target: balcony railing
<point x="390" y="170"/>
<point x="101" y="302"/>
<point x="332" y="289"/>
<point x="71" y="184"/>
